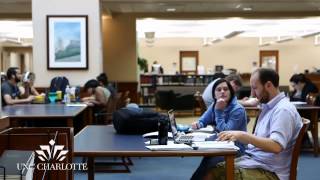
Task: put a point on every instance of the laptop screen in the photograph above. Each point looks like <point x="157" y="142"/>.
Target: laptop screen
<point x="172" y="123"/>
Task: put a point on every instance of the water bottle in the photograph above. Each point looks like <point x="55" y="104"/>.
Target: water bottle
<point x="162" y="131"/>
<point x="66" y="97"/>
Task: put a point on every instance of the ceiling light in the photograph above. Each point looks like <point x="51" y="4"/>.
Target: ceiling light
<point x="266" y="44"/>
<point x="232" y="34"/>
<point x="284" y="39"/>
<point x="238" y="6"/>
<point x="247" y="9"/>
<point x="216" y="40"/>
<point x="171" y="9"/>
<point x="310" y="34"/>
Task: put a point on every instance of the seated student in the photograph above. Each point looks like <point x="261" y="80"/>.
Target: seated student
<point x="236" y="83"/>
<point x="27" y="87"/>
<point x="302" y="87"/>
<point x="10" y="90"/>
<point x="103" y="81"/>
<point x="270" y="147"/>
<point x="225" y="114"/>
<point x="99" y="95"/>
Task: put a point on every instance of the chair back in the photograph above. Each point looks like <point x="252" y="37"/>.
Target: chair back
<point x="199" y="100"/>
<point x="123" y="100"/>
<point x="296" y="149"/>
<point x="311" y="98"/>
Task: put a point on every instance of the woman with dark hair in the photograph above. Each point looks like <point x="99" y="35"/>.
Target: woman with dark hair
<point x="302" y="87"/>
<point x="224" y="114"/>
<point x="98" y="95"/>
<point x="103" y="81"/>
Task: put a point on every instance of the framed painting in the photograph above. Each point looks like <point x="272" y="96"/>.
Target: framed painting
<point x="67" y="42"/>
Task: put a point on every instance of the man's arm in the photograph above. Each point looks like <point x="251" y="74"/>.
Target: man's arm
<point x="265" y="144"/>
<point x="10" y="101"/>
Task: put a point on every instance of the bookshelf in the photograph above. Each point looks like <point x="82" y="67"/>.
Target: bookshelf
<point x="150" y="83"/>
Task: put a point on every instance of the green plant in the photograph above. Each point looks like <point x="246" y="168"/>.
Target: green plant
<point x="143" y="64"/>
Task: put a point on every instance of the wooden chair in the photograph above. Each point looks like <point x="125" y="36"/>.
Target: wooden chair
<point x="311" y="98"/>
<point x="296" y="149"/>
<point x="200" y="102"/>
<point x="124" y="100"/>
<point x="31" y="138"/>
<point x="105" y="116"/>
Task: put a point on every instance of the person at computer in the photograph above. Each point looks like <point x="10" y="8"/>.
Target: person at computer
<point x="10" y="91"/>
<point x="302" y="87"/>
<point x="270" y="147"/>
<point x="224" y="114"/>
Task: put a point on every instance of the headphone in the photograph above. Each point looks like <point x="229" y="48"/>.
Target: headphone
<point x="26" y="77"/>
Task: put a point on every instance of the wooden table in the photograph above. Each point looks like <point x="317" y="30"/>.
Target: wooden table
<point x="24" y="112"/>
<point x="313" y="111"/>
<point x="102" y="141"/>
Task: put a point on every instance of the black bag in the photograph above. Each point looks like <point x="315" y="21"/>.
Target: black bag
<point x="127" y="121"/>
<point x="59" y="83"/>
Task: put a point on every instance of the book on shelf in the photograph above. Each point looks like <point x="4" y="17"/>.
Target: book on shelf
<point x="8" y="163"/>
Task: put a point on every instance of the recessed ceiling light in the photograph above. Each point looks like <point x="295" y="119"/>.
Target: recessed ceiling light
<point x="171" y="9"/>
<point x="238" y="6"/>
<point x="247" y="9"/>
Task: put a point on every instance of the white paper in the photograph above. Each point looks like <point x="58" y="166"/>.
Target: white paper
<point x="169" y="147"/>
<point x="215" y="145"/>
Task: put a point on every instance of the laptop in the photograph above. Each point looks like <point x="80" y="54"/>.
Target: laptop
<point x="178" y="137"/>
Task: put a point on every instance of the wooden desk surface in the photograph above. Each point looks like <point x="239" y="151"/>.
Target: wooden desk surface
<point x="42" y="111"/>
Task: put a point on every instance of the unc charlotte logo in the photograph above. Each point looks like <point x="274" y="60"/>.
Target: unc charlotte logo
<point x="51" y="151"/>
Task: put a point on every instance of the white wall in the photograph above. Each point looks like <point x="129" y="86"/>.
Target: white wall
<point x="42" y="8"/>
<point x="236" y="53"/>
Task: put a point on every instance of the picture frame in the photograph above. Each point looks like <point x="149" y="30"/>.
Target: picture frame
<point x="67" y="42"/>
<point x="189" y="62"/>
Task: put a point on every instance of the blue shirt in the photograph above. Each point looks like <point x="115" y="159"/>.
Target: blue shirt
<point x="279" y="121"/>
<point x="233" y="117"/>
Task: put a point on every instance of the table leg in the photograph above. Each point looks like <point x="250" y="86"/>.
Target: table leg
<point x="91" y="168"/>
<point x="89" y="116"/>
<point x="314" y="131"/>
<point x="70" y="122"/>
<point x="229" y="167"/>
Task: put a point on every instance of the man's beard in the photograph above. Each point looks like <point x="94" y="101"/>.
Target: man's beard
<point x="17" y="79"/>
<point x="265" y="97"/>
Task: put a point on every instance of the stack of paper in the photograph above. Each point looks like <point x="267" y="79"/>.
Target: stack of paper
<point x="169" y="147"/>
<point x="76" y="104"/>
<point x="215" y="145"/>
<point x="208" y="129"/>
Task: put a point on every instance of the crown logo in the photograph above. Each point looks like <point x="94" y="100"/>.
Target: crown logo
<point x="51" y="151"/>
